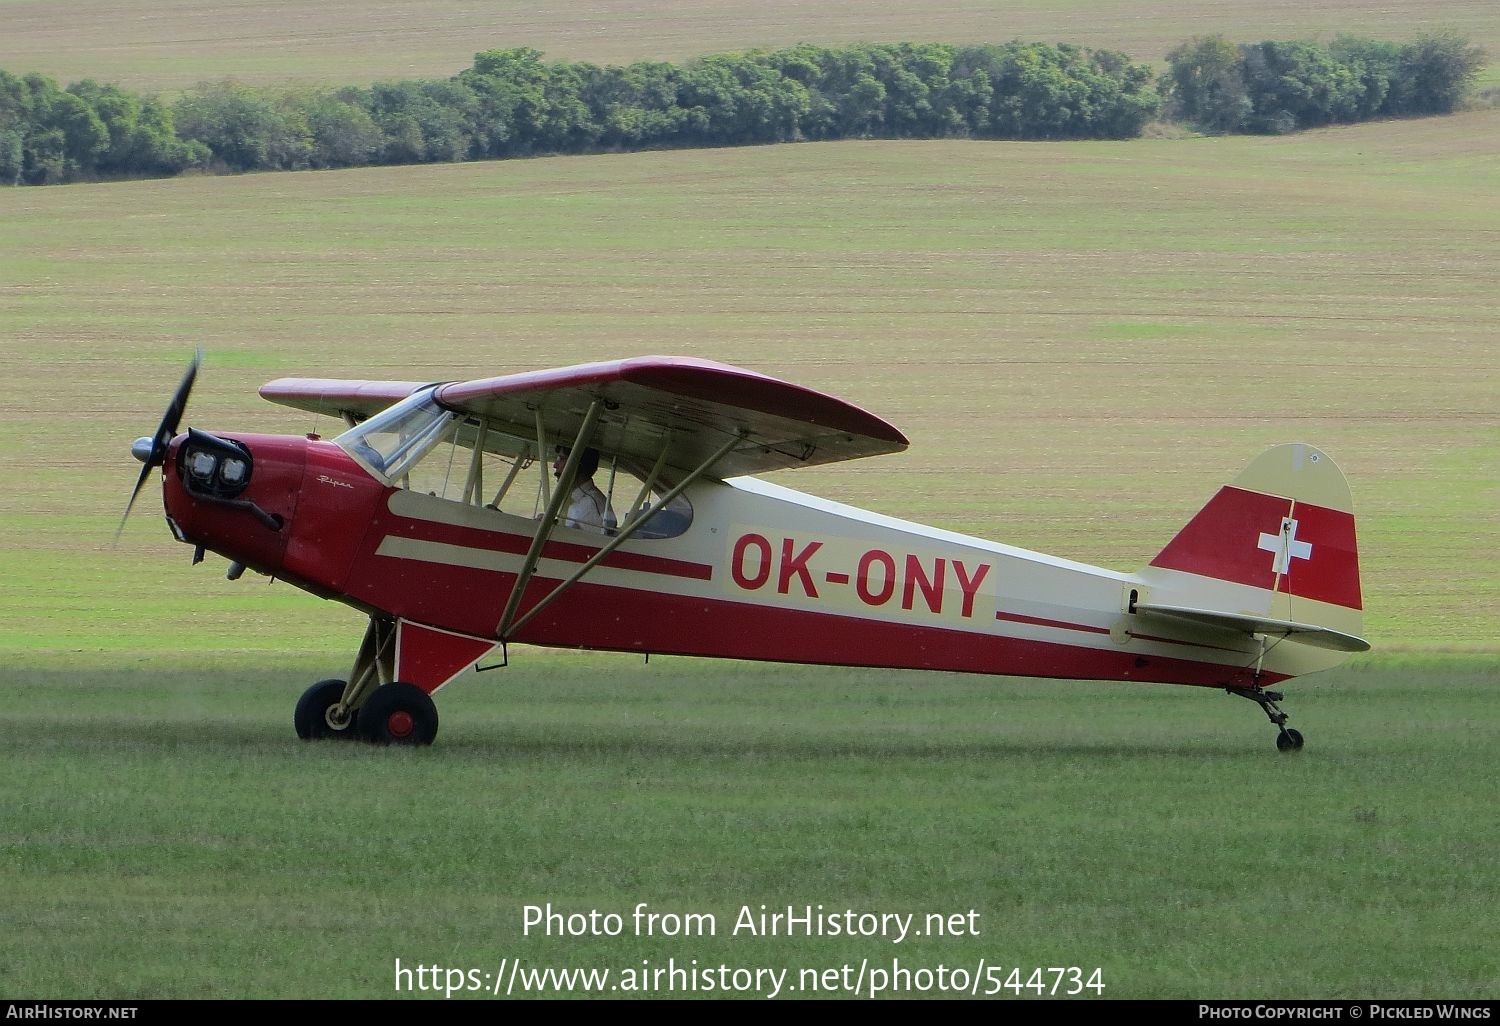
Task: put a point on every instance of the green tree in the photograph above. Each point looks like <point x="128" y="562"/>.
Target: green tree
<point x="1439" y="70"/>
<point x="235" y="122"/>
<point x="339" y="125"/>
<point x="1296" y="85"/>
<point x="15" y="126"/>
<point x="1207" y="84"/>
<point x="510" y="88"/>
<point x="12" y="156"/>
<point x="741" y="98"/>
<point x="971" y="90"/>
<point x="635" y="105"/>
<point x="1126" y="95"/>
<point x="423" y="121"/>
<point x="1377" y="67"/>
<point x="845" y="97"/>
<point x="914" y="79"/>
<point x="60" y="135"/>
<point x="142" y="137"/>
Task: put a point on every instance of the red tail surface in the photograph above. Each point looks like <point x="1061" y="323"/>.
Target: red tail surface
<point x="1278" y="541"/>
<point x="1272" y="542"/>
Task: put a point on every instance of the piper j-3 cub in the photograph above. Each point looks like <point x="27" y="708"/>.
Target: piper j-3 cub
<point x="450" y="514"/>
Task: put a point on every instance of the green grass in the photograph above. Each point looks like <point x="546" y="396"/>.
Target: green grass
<point x="170" y="837"/>
<point x="166" y="835"/>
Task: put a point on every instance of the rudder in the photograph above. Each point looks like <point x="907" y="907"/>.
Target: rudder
<point x="1276" y="542"/>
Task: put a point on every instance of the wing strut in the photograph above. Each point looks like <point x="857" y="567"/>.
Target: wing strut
<point x="549" y="519"/>
<point x="523" y="457"/>
<point x="624" y="534"/>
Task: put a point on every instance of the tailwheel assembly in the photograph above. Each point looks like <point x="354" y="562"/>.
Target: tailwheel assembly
<point x="1288" y="739"/>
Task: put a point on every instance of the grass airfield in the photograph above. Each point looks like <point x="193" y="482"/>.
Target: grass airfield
<point x="170" y="839"/>
<point x="1082" y="341"/>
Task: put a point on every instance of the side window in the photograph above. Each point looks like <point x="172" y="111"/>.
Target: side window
<point x="477" y="465"/>
<point x="440" y="471"/>
<point x="632" y="499"/>
<point x="511" y="479"/>
<point x="502" y="471"/>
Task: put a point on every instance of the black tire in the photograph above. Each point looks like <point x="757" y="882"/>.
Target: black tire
<point x="399" y="714"/>
<point x="1289" y="740"/>
<point x="311" y="717"/>
<point x="1296" y="736"/>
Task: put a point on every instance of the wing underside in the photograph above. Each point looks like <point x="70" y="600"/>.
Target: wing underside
<point x="687" y="408"/>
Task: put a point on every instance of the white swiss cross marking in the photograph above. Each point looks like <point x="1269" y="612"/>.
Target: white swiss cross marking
<point x="1286" y="546"/>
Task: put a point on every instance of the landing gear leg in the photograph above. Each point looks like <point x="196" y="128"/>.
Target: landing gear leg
<point x="1287" y="739"/>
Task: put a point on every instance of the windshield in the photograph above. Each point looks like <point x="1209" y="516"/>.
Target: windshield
<point x="390" y="442"/>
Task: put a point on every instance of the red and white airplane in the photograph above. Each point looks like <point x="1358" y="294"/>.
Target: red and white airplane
<point x="442" y="514"/>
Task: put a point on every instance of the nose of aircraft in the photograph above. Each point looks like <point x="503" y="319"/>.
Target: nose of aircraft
<point x="141" y="449"/>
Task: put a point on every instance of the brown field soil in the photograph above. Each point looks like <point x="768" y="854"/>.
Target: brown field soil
<point x="167" y="45"/>
<point x="1081" y="340"/>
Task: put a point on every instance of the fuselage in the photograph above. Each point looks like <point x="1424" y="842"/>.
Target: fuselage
<point x="760" y="572"/>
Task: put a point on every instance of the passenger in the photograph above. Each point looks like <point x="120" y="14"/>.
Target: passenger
<point x="588" y="508"/>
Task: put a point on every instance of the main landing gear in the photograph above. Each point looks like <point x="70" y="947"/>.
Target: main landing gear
<point x="371" y="705"/>
<point x="1288" y="739"/>
<point x="398" y="714"/>
<point x="319" y="714"/>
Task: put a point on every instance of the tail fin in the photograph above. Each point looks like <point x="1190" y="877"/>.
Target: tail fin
<point x="1272" y="553"/>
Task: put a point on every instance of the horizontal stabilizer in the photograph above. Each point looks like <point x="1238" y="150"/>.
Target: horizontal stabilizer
<point x="1306" y="633"/>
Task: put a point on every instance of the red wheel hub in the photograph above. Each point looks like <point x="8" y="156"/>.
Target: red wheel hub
<point x="399" y="723"/>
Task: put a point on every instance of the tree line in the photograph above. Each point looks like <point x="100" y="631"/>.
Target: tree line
<point x="513" y="102"/>
<point x="1276" y="87"/>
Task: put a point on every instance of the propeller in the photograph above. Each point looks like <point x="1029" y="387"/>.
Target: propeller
<point x="152" y="451"/>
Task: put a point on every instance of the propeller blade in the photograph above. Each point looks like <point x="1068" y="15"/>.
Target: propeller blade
<point x="140" y="483"/>
<point x="169" y="421"/>
<point x="165" y="432"/>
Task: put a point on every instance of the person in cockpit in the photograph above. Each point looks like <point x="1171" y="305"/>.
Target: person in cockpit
<point x="588" y="507"/>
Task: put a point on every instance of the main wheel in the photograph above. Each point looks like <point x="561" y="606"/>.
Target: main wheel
<point x="311" y="717"/>
<point x="399" y="714"/>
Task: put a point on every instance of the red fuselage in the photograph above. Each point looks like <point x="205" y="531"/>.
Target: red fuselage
<point x="748" y="581"/>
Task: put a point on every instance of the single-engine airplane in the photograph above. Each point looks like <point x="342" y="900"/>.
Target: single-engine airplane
<point x="442" y="513"/>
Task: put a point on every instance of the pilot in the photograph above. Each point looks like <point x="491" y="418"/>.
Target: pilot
<point x="588" y="508"/>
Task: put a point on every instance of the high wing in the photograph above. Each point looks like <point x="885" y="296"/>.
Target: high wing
<point x="690" y="406"/>
<point x="353" y="400"/>
<point x="687" y="407"/>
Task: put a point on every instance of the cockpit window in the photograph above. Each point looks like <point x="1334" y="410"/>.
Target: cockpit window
<point x="635" y="497"/>
<point x="418" y="445"/>
<point x="392" y="441"/>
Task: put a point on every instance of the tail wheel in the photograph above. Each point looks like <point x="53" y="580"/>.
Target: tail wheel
<point x="312" y="716"/>
<point x="1289" y="740"/>
<point x="399" y="714"/>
